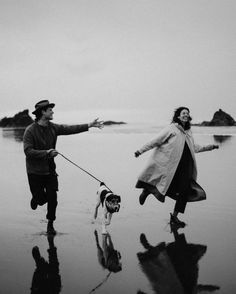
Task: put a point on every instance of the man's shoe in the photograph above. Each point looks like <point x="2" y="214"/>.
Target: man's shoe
<point x="143" y="196"/>
<point x="50" y="229"/>
<point x="33" y="204"/>
<point x="175" y="221"/>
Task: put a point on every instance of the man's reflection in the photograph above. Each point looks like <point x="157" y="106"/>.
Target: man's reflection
<point x="173" y="267"/>
<point x="46" y="278"/>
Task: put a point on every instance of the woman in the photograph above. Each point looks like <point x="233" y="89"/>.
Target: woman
<point x="172" y="171"/>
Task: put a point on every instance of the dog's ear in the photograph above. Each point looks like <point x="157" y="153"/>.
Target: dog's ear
<point x="118" y="198"/>
<point x="102" y="184"/>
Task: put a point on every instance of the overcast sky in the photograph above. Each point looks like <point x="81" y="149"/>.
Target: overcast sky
<point x="118" y="54"/>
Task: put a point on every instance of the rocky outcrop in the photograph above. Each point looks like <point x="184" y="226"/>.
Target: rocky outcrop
<point x="21" y="119"/>
<point x="220" y="118"/>
<point x="111" y="122"/>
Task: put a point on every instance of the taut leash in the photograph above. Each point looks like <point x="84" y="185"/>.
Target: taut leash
<point x="83" y="170"/>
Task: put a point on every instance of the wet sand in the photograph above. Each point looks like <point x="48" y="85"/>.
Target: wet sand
<point x="146" y="255"/>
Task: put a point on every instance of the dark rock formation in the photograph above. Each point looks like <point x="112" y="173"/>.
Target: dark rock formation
<point x="220" y="118"/>
<point x="21" y="119"/>
<point x="110" y="122"/>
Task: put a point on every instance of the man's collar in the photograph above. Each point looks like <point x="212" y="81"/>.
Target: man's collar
<point x="43" y="123"/>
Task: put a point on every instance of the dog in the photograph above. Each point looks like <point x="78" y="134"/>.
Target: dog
<point x="110" y="203"/>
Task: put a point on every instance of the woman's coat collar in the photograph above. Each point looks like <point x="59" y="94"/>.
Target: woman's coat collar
<point x="178" y="126"/>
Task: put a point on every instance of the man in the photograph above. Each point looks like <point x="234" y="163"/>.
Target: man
<point x="39" y="147"/>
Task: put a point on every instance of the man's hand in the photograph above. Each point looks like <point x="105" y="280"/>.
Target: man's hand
<point x="137" y="153"/>
<point x="96" y="124"/>
<point x="52" y="153"/>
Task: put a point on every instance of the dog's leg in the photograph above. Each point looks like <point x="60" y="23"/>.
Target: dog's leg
<point x="108" y="218"/>
<point x="104" y="226"/>
<point x="106" y="222"/>
<point x="104" y="230"/>
<point x="96" y="208"/>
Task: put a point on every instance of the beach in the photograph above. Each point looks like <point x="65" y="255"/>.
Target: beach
<point x="144" y="244"/>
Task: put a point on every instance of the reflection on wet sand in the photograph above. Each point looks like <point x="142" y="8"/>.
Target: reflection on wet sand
<point x="46" y="278"/>
<point x="173" y="267"/>
<point x="13" y="133"/>
<point x="221" y="138"/>
<point x="108" y="257"/>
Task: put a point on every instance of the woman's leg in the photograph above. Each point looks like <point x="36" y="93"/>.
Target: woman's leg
<point x="143" y="196"/>
<point x="180" y="206"/>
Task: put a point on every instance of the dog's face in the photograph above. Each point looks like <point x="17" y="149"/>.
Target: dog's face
<point x="113" y="203"/>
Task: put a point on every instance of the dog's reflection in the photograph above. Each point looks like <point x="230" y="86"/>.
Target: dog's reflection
<point x="108" y="257"/>
<point x="46" y="278"/>
<point x="173" y="267"/>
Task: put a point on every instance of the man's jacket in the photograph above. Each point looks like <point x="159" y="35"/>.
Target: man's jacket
<point x="39" y="139"/>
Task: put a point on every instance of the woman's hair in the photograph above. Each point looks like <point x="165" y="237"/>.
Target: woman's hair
<point x="176" y="119"/>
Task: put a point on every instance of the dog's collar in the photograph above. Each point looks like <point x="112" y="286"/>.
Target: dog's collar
<point x="108" y="193"/>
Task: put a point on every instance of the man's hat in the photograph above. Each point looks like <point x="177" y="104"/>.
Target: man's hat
<point x="42" y="104"/>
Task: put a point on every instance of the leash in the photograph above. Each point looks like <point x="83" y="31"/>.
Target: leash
<point x="100" y="284"/>
<point x="83" y="170"/>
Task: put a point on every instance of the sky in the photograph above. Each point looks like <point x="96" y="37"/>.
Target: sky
<point x="124" y="55"/>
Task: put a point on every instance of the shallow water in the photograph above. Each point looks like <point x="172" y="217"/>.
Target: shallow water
<point x="199" y="258"/>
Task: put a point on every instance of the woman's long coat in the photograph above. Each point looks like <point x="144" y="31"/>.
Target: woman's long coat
<point x="168" y="148"/>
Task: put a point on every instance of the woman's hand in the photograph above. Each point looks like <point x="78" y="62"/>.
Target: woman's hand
<point x="96" y="124"/>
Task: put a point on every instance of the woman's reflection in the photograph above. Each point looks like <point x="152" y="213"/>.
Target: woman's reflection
<point x="46" y="278"/>
<point x="173" y="267"/>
